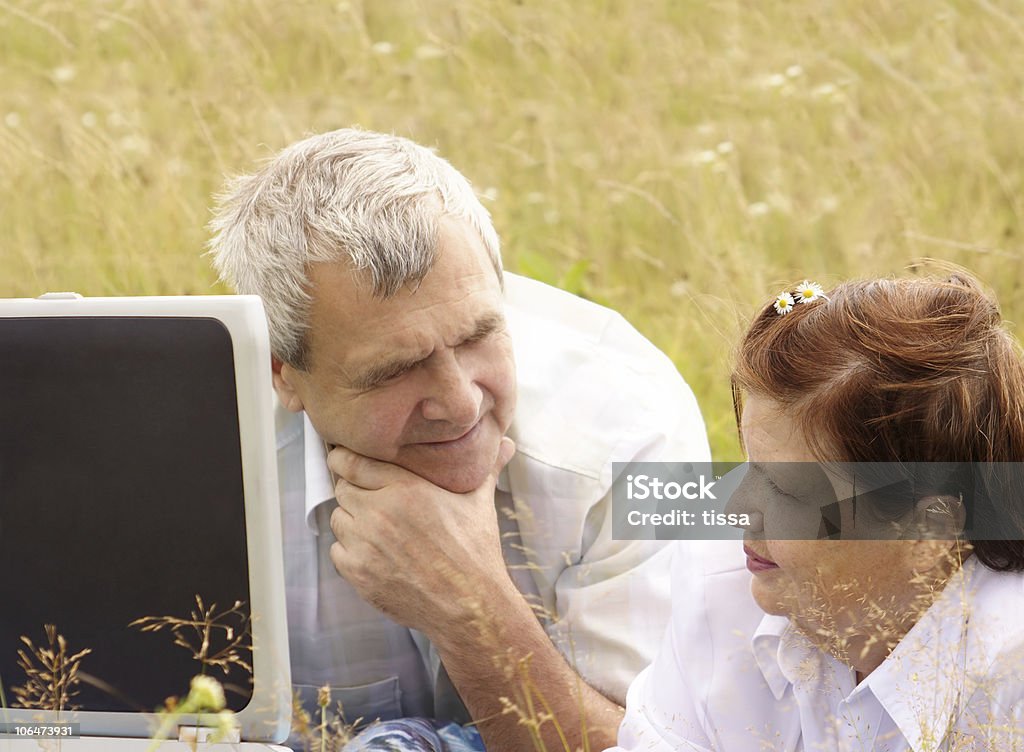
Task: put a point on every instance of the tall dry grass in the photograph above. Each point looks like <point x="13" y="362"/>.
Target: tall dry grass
<point x="678" y="160"/>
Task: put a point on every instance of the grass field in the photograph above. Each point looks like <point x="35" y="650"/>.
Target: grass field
<point x="679" y="161"/>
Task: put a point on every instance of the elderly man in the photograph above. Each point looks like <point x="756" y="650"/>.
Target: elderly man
<point x="409" y="368"/>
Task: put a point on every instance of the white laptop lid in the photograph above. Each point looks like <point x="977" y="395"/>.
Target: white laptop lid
<point x="137" y="471"/>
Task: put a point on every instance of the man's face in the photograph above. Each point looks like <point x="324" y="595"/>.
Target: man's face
<point x="425" y="379"/>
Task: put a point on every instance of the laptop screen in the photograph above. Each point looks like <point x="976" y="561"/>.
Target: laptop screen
<point x="121" y="498"/>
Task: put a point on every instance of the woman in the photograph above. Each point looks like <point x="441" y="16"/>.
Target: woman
<point x="900" y="626"/>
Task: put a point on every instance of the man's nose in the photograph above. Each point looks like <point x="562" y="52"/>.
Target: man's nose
<point x="454" y="396"/>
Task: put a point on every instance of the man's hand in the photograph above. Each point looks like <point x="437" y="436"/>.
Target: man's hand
<point x="424" y="556"/>
<point x="432" y="560"/>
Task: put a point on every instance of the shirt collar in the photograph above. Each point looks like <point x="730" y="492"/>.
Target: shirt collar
<point x="766" y="643"/>
<point x="319" y="483"/>
<point x="927" y="680"/>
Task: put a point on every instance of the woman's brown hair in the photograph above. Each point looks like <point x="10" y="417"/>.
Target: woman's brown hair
<point x="898" y="370"/>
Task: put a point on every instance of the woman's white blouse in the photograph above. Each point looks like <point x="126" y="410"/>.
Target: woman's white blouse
<point x="729" y="678"/>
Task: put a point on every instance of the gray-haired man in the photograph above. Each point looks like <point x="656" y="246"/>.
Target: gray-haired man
<point x="405" y="361"/>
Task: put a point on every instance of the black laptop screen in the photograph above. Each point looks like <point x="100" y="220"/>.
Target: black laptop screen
<point x="121" y="498"/>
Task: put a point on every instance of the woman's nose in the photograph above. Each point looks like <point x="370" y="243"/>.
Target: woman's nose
<point x="744" y="499"/>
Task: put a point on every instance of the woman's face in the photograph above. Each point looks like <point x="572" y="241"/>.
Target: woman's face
<point x="827" y="588"/>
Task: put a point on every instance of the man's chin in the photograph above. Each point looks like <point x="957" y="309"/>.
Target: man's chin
<point x="456" y="480"/>
<point x="459" y="466"/>
<point x="452" y="474"/>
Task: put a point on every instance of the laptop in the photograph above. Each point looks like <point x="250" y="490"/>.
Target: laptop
<point x="140" y="541"/>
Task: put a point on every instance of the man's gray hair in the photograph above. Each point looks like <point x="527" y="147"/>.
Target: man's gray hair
<point x="369" y="198"/>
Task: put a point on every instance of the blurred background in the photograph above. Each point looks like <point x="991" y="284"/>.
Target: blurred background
<point x="681" y="161"/>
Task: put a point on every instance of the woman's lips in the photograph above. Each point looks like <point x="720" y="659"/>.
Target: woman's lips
<point x="757" y="563"/>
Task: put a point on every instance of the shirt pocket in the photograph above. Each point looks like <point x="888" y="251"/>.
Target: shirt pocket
<point x="360" y="705"/>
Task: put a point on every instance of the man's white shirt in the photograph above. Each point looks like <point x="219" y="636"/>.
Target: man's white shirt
<point x="591" y="391"/>
<point x="729" y="678"/>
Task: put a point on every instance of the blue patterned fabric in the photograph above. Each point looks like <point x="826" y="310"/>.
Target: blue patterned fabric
<point x="416" y="735"/>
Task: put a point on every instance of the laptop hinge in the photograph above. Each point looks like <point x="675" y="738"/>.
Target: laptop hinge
<point x="202" y="734"/>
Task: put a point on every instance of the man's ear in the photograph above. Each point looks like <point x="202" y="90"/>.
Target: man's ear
<point x="284" y="384"/>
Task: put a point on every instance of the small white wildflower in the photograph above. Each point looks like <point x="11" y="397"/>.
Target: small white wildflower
<point x="89" y="119"/>
<point x="758" y="209"/>
<point x="794" y="71"/>
<point x="725" y="147"/>
<point x="63" y="73"/>
<point x="783" y="303"/>
<point x="382" y="48"/>
<point x="705" y="156"/>
<point x="679" y="289"/>
<point x="489" y="194"/>
<point x="808" y="292"/>
<point x="824" y="91"/>
<point x="207" y="693"/>
<point x="774" y="81"/>
<point x="429" y="52"/>
<point x="12" y="119"/>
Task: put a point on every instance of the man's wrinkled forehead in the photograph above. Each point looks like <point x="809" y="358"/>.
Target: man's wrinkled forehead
<point x="458" y="298"/>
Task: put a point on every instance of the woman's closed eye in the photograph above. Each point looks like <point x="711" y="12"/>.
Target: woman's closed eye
<point x="775" y="487"/>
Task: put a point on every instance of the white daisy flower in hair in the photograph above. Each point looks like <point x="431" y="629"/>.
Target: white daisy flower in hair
<point x="783" y="303"/>
<point x="808" y="292"/>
